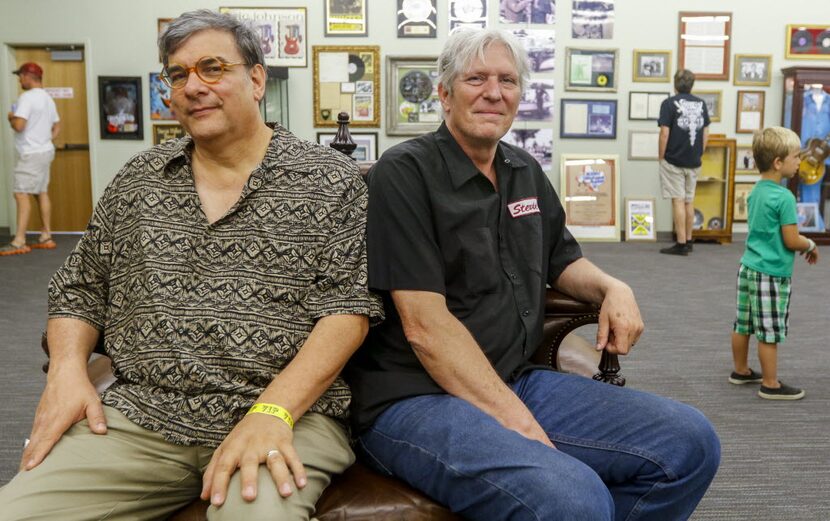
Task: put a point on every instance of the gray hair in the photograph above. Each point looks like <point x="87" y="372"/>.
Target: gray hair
<point x="465" y="45"/>
<point x="191" y="22"/>
<point x="684" y="80"/>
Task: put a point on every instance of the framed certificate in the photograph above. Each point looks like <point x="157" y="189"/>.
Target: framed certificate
<point x="590" y="195"/>
<point x="704" y="43"/>
<point x="643" y="144"/>
<point x="645" y="105"/>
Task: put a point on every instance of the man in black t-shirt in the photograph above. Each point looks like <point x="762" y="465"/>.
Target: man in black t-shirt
<point x="684" y="131"/>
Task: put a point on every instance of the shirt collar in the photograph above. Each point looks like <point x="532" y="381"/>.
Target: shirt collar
<point x="461" y="167"/>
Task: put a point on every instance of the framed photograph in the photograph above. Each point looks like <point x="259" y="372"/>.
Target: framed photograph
<point x="119" y="106"/>
<point x="741" y="210"/>
<point x="592" y="19"/>
<point x="537" y="102"/>
<point x="282" y="33"/>
<point x="652" y="66"/>
<point x="514" y="11"/>
<point x="543" y="12"/>
<point x="336" y="65"/>
<point x="704" y="43"/>
<point x="418" y="19"/>
<point x="540" y="45"/>
<point x="590" y="194"/>
<point x="466" y="13"/>
<point x="159" y="99"/>
<point x="538" y="142"/>
<point x="346" y="18"/>
<point x="809" y="218"/>
<point x="640" y="223"/>
<point x="646" y="105"/>
<point x="367" y="144"/>
<point x="592" y="119"/>
<point x="412" y="104"/>
<point x="753" y="69"/>
<point x="808" y="42"/>
<point x="593" y="70"/>
<point x="643" y="144"/>
<point x="744" y="161"/>
<point x="713" y="100"/>
<point x="166" y="131"/>
<point x="750" y="111"/>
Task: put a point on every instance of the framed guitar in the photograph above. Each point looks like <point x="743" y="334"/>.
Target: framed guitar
<point x="813" y="156"/>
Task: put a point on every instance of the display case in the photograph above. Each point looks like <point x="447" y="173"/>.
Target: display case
<point x="714" y="196"/>
<point x="807" y="112"/>
<point x="274" y="106"/>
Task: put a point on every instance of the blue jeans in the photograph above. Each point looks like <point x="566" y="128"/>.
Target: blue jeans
<point x="622" y="454"/>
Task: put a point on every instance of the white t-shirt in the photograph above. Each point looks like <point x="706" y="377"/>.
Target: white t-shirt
<point x="40" y="113"/>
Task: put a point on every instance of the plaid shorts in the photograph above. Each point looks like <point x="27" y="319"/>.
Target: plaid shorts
<point x="763" y="305"/>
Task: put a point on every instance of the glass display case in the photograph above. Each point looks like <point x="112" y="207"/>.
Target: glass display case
<point x="807" y="112"/>
<point x="714" y="196"/>
<point x="274" y="106"/>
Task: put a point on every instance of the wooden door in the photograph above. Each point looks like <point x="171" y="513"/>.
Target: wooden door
<point x="70" y="186"/>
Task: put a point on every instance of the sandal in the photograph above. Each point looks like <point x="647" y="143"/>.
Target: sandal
<point x="44" y="244"/>
<point x="11" y="249"/>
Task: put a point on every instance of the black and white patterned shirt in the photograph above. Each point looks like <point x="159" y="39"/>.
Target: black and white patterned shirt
<point x="198" y="318"/>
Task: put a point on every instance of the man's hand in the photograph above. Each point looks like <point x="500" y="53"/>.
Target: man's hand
<point x="620" y="324"/>
<point x="257" y="439"/>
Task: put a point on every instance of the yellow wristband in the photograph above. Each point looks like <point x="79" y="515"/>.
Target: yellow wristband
<point x="273" y="410"/>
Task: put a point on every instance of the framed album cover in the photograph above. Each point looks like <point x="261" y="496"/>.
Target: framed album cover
<point x="417" y="18"/>
<point x="591" y="119"/>
<point x="412" y="104"/>
<point x="704" y="43"/>
<point x="282" y="33"/>
<point x="346" y="18"/>
<point x="652" y="66"/>
<point x="640" y="222"/>
<point x="165" y="131"/>
<point x="713" y="100"/>
<point x="593" y="70"/>
<point x="119" y="106"/>
<point x="367" y="144"/>
<point x="346" y="79"/>
<point x="646" y="105"/>
<point x="750" y="111"/>
<point x="159" y="99"/>
<point x="808" y="42"/>
<point x="753" y="69"/>
<point x="591" y="194"/>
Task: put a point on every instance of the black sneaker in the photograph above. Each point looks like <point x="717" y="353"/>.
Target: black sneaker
<point x="690" y="245"/>
<point x="740" y="379"/>
<point x="677" y="249"/>
<point x="785" y="392"/>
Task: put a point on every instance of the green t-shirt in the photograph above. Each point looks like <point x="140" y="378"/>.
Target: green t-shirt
<point x="771" y="206"/>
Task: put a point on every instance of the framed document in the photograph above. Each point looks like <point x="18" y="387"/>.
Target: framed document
<point x="750" y="111"/>
<point x="346" y="18"/>
<point x="653" y="66"/>
<point x="753" y="69"/>
<point x="741" y="210"/>
<point x="705" y="38"/>
<point x="591" y="195"/>
<point x="592" y="70"/>
<point x="165" y="131"/>
<point x="640" y="223"/>
<point x="417" y="19"/>
<point x="643" y="144"/>
<point x="281" y="30"/>
<point x="645" y="105"/>
<point x="412" y="104"/>
<point x="713" y="99"/>
<point x="367" y="144"/>
<point x="335" y="68"/>
<point x="592" y="119"/>
<point x="808" y="42"/>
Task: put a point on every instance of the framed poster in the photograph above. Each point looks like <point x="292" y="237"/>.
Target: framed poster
<point x="713" y="99"/>
<point x="166" y="131"/>
<point x="540" y="45"/>
<point x="808" y="42"/>
<point x="640" y="223"/>
<point x="652" y="66"/>
<point x="282" y="33"/>
<point x="346" y="79"/>
<point x="119" y="106"/>
<point x="159" y="99"/>
<point x="593" y="70"/>
<point x="704" y="43"/>
<point x="367" y="144"/>
<point x="591" y="195"/>
<point x="346" y="18"/>
<point x="750" y="111"/>
<point x="417" y="18"/>
<point x="412" y="104"/>
<point x="809" y="218"/>
<point x="753" y="69"/>
<point x="646" y="105"/>
<point x="741" y="210"/>
<point x="467" y="13"/>
<point x="643" y="144"/>
<point x="593" y="119"/>
<point x="537" y="102"/>
<point x="538" y="142"/>
<point x="592" y="19"/>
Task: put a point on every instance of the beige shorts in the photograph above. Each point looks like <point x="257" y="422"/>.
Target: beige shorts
<point x="678" y="182"/>
<point x="31" y="173"/>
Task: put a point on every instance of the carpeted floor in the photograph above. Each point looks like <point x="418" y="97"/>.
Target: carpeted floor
<point x="776" y="455"/>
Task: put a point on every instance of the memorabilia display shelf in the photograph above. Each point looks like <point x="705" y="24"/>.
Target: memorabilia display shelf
<point x="714" y="197"/>
<point x="275" y="106"/>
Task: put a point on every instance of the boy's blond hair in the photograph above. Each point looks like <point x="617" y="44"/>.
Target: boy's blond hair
<point x="771" y="143"/>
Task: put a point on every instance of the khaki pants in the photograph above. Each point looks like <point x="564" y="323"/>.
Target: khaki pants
<point x="132" y="473"/>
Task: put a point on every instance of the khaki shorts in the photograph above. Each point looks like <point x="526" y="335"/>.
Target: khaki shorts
<point x="678" y="182"/>
<point x="31" y="173"/>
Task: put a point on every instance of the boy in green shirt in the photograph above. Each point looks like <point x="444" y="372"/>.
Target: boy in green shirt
<point x="767" y="264"/>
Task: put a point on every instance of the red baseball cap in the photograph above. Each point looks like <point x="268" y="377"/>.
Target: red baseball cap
<point x="31" y="68"/>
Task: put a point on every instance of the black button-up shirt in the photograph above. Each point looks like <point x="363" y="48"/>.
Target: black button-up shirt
<point x="437" y="224"/>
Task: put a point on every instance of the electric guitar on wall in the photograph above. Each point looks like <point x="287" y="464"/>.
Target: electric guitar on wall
<point x="813" y="157"/>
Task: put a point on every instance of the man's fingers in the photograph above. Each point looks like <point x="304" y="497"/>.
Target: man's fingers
<point x="222" y="472"/>
<point x="279" y="472"/>
<point x="248" y="473"/>
<point x="602" y="331"/>
<point x="95" y="417"/>
<point x="295" y="465"/>
<point x="41" y="443"/>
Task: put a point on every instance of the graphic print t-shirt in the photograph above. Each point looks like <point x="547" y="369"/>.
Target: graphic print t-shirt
<point x="686" y="116"/>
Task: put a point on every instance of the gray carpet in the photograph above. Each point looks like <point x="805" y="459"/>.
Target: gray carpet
<point x="776" y="456"/>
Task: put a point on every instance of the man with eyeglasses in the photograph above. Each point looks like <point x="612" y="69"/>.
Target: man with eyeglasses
<point x="226" y="272"/>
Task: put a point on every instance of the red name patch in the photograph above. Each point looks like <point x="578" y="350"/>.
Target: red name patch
<point x="524" y="207"/>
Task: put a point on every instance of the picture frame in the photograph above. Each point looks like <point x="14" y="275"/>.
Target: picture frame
<point x="750" y="107"/>
<point x="161" y="25"/>
<point x="645" y="106"/>
<point x="591" y="70"/>
<point x="808" y="42"/>
<point x="753" y="69"/>
<point x="417" y="19"/>
<point x="466" y="13"/>
<point x="540" y="45"/>
<point x="744" y="160"/>
<point x="644" y="144"/>
<point x="412" y="104"/>
<point x="704" y="42"/>
<point x="640" y="219"/>
<point x="714" y="102"/>
<point x="740" y="212"/>
<point x="336" y="67"/>
<point x="809" y="218"/>
<point x="165" y="131"/>
<point x="119" y="107"/>
<point x="159" y="99"/>
<point x="590" y="194"/>
<point x="537" y="103"/>
<point x="652" y="66"/>
<point x="367" y="144"/>
<point x="592" y="19"/>
<point x="283" y="33"/>
<point x="537" y="141"/>
<point x="345" y="18"/>
<point x="588" y="119"/>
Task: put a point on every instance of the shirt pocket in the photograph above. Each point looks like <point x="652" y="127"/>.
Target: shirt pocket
<point x="479" y="261"/>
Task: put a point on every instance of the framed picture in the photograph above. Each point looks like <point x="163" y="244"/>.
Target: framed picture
<point x="543" y="12"/>
<point x="467" y="13"/>
<point x="750" y="111"/>
<point x="643" y="144"/>
<point x="367" y="144"/>
<point x="640" y="223"/>
<point x="161" y="25"/>
<point x="346" y="79"/>
<point x="417" y="19"/>
<point x="646" y="105"/>
<point x="808" y="42"/>
<point x="652" y="66"/>
<point x="744" y="161"/>
<point x="537" y="102"/>
<point x="592" y="19"/>
<point x="753" y="69"/>
<point x="159" y="99"/>
<point x="741" y="210"/>
<point x="540" y="45"/>
<point x="346" y="18"/>
<point x="704" y="43"/>
<point x="593" y="119"/>
<point x="119" y="106"/>
<point x="513" y="12"/>
<point x="165" y="131"/>
<point x="713" y="100"/>
<point x="809" y="218"/>
<point x="282" y="33"/>
<point x="538" y="142"/>
<point x="591" y="69"/>
<point x="591" y="195"/>
<point x="412" y="104"/>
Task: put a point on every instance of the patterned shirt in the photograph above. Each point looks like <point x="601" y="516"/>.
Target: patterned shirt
<point x="199" y="317"/>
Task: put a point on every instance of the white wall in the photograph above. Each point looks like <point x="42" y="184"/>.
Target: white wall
<point x="119" y="38"/>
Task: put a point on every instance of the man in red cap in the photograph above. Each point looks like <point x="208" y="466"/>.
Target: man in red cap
<point x="35" y="121"/>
